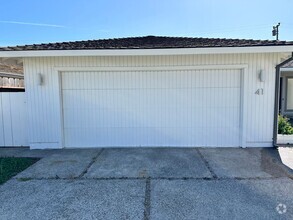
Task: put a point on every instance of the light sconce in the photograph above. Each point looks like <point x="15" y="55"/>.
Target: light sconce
<point x="40" y="79"/>
<point x="261" y="76"/>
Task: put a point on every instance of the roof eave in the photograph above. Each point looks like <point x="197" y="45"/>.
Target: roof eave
<point x="148" y="52"/>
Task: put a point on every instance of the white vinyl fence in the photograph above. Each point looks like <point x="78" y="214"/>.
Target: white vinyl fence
<point x="13" y="129"/>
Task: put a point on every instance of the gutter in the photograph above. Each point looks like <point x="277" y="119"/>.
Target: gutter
<point x="147" y="52"/>
<point x="277" y="94"/>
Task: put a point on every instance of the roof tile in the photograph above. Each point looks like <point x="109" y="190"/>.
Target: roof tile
<point x="149" y="42"/>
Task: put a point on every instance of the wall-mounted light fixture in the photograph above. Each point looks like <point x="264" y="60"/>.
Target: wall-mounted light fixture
<point x="40" y="79"/>
<point x="261" y="76"/>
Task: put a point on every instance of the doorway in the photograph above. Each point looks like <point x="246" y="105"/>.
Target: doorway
<point x="285" y="118"/>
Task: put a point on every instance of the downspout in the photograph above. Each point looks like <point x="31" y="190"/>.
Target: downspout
<point x="277" y="94"/>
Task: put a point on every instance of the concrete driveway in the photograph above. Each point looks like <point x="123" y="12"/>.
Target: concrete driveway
<point x="140" y="183"/>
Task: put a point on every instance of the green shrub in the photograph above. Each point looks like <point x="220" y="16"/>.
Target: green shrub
<point x="284" y="127"/>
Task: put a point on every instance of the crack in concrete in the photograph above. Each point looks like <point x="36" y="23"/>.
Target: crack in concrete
<point x="214" y="175"/>
<point x="91" y="163"/>
<point x="147" y="201"/>
<point x="155" y="178"/>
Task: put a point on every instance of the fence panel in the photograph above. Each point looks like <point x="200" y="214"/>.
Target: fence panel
<point x="13" y="119"/>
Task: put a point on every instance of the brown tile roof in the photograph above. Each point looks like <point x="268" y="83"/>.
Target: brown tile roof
<point x="149" y="42"/>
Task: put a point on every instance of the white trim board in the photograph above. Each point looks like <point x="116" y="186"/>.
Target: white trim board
<point x="286" y="69"/>
<point x="243" y="98"/>
<point x="148" y="52"/>
<point x="153" y="68"/>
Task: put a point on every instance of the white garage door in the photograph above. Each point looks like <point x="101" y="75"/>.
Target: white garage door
<point x="151" y="108"/>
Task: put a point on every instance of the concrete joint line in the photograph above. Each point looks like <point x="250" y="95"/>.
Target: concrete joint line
<point x="207" y="164"/>
<point x="155" y="178"/>
<point x="147" y="201"/>
<point x="252" y="178"/>
<point x="91" y="163"/>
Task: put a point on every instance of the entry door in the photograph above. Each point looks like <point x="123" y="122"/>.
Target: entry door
<point x="151" y="108"/>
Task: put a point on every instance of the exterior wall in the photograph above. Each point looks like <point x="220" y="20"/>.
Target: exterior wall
<point x="44" y="102"/>
<point x="13" y="120"/>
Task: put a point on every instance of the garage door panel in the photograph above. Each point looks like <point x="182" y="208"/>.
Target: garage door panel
<point x="147" y="136"/>
<point x="153" y="108"/>
<point x="215" y="97"/>
<point x="116" y="111"/>
<point x="214" y="79"/>
<point x="150" y="79"/>
<point x="214" y="137"/>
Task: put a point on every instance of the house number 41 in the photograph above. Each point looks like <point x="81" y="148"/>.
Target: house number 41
<point x="259" y="92"/>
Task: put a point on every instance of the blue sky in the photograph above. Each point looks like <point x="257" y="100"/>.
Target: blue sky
<point x="42" y="21"/>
